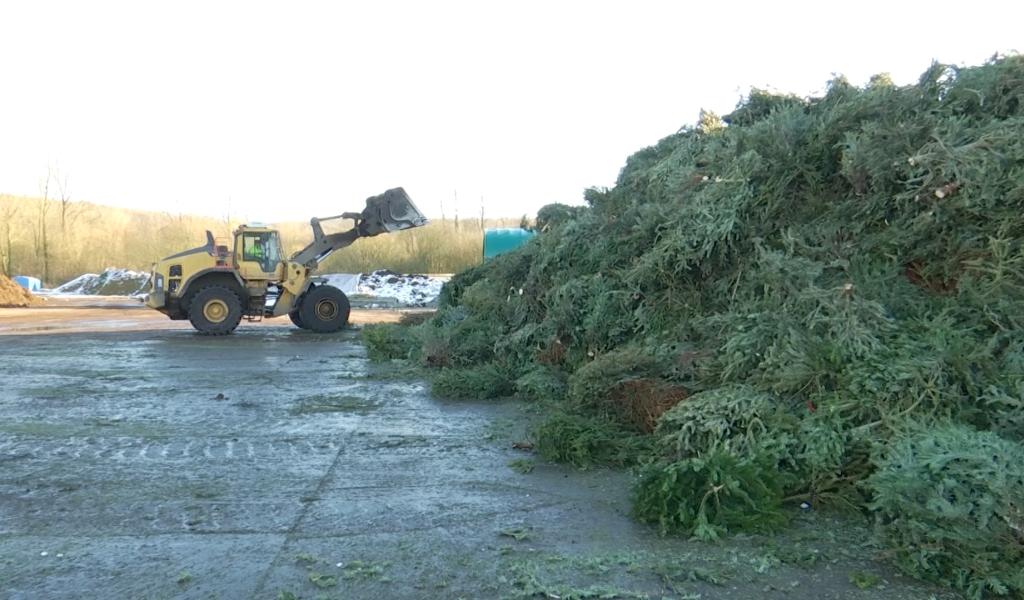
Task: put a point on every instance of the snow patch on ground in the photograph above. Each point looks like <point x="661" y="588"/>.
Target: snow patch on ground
<point x="393" y="289"/>
<point x="346" y="282"/>
<point x="389" y="286"/>
<point x="407" y="290"/>
<point x="111" y="282"/>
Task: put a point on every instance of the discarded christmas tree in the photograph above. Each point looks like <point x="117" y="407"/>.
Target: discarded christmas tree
<point x="786" y="290"/>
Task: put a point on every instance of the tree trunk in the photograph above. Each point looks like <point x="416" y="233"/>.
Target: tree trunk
<point x="44" y="208"/>
<point x="46" y="250"/>
<point x="9" y="257"/>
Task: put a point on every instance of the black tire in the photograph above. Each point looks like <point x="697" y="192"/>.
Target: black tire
<point x="297" y="319"/>
<point x="324" y="309"/>
<point x="215" y="310"/>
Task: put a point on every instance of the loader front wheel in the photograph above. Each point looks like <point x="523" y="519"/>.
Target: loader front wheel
<point x="297" y="319"/>
<point x="325" y="309"/>
<point x="215" y="310"/>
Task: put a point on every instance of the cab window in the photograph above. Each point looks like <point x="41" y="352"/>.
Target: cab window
<point x="262" y="248"/>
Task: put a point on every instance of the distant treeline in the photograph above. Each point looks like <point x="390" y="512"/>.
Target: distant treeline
<point x="57" y="240"/>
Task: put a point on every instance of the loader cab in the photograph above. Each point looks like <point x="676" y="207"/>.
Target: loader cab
<point x="258" y="252"/>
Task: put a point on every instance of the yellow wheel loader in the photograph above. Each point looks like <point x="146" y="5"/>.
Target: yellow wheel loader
<point x="215" y="288"/>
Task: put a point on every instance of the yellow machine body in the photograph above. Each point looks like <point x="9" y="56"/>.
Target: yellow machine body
<point x="215" y="286"/>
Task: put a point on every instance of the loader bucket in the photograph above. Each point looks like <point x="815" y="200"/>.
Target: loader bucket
<point x="391" y="211"/>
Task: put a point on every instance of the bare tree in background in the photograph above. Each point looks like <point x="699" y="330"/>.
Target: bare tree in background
<point x="455" y="200"/>
<point x="8" y="210"/>
<point x="64" y="190"/>
<point x="227" y="217"/>
<point x="42" y="244"/>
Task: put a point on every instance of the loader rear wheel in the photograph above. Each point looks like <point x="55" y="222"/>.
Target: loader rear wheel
<point x="215" y="310"/>
<point x="325" y="309"/>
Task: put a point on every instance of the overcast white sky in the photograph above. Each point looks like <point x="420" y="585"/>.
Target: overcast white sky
<point x="295" y="109"/>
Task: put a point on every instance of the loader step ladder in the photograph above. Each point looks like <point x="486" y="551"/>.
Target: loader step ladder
<point x="256" y="310"/>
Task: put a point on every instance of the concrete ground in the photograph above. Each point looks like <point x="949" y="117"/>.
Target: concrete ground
<point x="94" y="314"/>
<point x="139" y="460"/>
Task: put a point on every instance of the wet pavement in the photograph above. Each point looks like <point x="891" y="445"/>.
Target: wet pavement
<point x="276" y="463"/>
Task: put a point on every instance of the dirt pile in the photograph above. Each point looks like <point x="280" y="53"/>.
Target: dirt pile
<point x="821" y="299"/>
<point x="13" y="295"/>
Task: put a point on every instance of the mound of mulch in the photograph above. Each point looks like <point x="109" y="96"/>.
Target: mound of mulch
<point x="13" y="295"/>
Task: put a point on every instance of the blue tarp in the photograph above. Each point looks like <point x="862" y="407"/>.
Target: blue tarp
<point x="498" y="241"/>
<point x="31" y="284"/>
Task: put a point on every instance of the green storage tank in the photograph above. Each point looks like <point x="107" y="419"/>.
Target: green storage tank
<point x="497" y="241"/>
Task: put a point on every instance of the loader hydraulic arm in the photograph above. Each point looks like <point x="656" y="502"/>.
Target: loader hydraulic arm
<point x="324" y="244"/>
<point x="391" y="211"/>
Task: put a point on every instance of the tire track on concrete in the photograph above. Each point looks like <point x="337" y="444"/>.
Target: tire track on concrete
<point x="128" y="450"/>
<point x="299" y="518"/>
<point x="483" y="517"/>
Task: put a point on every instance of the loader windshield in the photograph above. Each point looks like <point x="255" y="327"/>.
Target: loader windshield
<point x="264" y="248"/>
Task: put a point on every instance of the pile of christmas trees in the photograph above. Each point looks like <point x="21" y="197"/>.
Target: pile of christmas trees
<point x="816" y="300"/>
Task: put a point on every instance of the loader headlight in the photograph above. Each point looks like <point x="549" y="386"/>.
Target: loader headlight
<point x="158" y="282"/>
